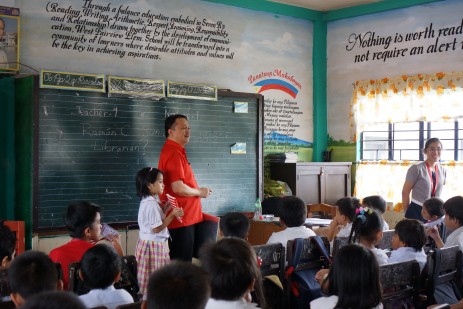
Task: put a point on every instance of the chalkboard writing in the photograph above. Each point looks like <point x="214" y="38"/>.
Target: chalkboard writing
<point x="72" y="81"/>
<point x="90" y="146"/>
<point x="136" y="87"/>
<point x="192" y="91"/>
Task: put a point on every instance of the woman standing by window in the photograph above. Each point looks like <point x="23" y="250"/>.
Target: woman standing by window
<point x="424" y="180"/>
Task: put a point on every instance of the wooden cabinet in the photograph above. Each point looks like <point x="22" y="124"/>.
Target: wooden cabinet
<point x="315" y="182"/>
<point x="260" y="231"/>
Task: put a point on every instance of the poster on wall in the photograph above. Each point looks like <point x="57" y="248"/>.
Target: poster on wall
<point x="9" y="38"/>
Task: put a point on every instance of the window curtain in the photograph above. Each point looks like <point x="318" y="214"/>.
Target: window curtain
<point x="422" y="97"/>
<point x="387" y="178"/>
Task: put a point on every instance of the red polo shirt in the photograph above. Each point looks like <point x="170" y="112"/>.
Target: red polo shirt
<point x="175" y="166"/>
<point x="69" y="253"/>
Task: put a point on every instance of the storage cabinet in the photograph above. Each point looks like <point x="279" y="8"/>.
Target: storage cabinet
<point x="315" y="182"/>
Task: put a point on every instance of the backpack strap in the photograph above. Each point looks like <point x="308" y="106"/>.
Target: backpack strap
<point x="318" y="242"/>
<point x="297" y="252"/>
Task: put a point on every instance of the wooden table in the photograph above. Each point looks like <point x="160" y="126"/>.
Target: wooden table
<point x="260" y="231"/>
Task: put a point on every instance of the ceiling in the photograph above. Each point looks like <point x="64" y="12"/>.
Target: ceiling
<point x="325" y="5"/>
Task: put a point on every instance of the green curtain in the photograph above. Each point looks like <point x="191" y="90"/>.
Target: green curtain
<point x="7" y="157"/>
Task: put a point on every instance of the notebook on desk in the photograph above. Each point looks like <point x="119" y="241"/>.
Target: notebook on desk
<point x="317" y="222"/>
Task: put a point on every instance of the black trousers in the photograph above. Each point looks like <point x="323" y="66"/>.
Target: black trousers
<point x="414" y="212"/>
<point x="182" y="243"/>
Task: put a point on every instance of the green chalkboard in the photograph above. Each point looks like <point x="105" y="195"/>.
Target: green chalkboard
<point x="89" y="147"/>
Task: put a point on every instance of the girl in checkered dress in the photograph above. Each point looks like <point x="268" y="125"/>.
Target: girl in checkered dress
<point x="152" y="251"/>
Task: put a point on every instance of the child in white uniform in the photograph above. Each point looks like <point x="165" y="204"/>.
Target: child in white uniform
<point x="408" y="241"/>
<point x="152" y="251"/>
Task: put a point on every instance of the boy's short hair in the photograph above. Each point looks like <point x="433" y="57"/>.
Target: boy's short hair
<point x="32" y="272"/>
<point x="232" y="266"/>
<point x="454" y="208"/>
<point x="7" y="242"/>
<point x="178" y="285"/>
<point x="99" y="266"/>
<point x="434" y="206"/>
<point x="79" y="216"/>
<point x="54" y="300"/>
<point x="347" y="206"/>
<point x="411" y="232"/>
<point x="234" y="224"/>
<point x="375" y="202"/>
<point x="292" y="210"/>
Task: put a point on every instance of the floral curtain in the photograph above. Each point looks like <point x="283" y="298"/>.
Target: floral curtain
<point x="422" y="97"/>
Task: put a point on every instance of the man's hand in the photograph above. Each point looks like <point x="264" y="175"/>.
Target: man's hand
<point x="205" y="192"/>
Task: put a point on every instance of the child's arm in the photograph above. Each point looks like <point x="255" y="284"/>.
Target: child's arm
<point x="333" y="229"/>
<point x="434" y="234"/>
<point x="176" y="212"/>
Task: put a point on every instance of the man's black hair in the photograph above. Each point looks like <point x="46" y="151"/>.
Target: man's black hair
<point x="292" y="210"/>
<point x="411" y="233"/>
<point x="79" y="216"/>
<point x="99" y="266"/>
<point x="170" y="121"/>
<point x="234" y="224"/>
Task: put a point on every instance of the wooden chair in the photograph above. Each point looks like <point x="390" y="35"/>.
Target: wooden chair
<point x="323" y="210"/>
<point x="18" y="228"/>
<point x="444" y="275"/>
<point x="128" y="279"/>
<point x="386" y="241"/>
<point x="135" y="305"/>
<point x="400" y="283"/>
<point x="272" y="258"/>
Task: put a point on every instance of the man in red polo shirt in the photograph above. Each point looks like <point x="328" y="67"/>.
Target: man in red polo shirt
<point x="180" y="182"/>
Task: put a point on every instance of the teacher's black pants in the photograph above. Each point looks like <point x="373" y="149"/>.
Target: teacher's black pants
<point x="182" y="243"/>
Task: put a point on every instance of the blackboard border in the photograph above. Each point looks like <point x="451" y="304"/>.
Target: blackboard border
<point x="123" y="225"/>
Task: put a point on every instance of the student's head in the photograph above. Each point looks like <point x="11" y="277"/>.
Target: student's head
<point x="432" y="209"/>
<point x="234" y="224"/>
<point x="376" y="202"/>
<point x="149" y="181"/>
<point x="30" y="273"/>
<point x="54" y="300"/>
<point x="232" y="267"/>
<point x="347" y="207"/>
<point x="178" y="285"/>
<point x="354" y="278"/>
<point x="292" y="210"/>
<point x="453" y="208"/>
<point x="367" y="226"/>
<point x="7" y="245"/>
<point x="83" y="220"/>
<point x="177" y="128"/>
<point x="100" y="267"/>
<point x="409" y="233"/>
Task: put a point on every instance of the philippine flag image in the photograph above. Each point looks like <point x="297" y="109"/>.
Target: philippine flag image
<point x="276" y="84"/>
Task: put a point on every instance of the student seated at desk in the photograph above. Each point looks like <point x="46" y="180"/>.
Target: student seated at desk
<point x="293" y="213"/>
<point x="408" y="241"/>
<point x="100" y="268"/>
<point x="342" y="223"/>
<point x="453" y="221"/>
<point x="234" y="224"/>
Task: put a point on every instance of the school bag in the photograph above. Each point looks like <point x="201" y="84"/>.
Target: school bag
<point x="302" y="268"/>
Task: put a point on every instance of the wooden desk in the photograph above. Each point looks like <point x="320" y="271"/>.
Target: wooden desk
<point x="260" y="231"/>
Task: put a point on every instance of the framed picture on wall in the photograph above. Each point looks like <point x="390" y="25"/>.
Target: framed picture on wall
<point x="9" y="38"/>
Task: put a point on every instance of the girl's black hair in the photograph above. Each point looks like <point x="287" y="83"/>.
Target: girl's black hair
<point x="354" y="278"/>
<point x="434" y="206"/>
<point x="347" y="206"/>
<point x="146" y="176"/>
<point x="365" y="225"/>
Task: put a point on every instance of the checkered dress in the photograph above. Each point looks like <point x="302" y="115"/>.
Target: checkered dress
<point x="150" y="255"/>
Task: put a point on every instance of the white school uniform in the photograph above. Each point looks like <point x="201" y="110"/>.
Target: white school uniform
<point x="290" y="233"/>
<point x="403" y="254"/>
<point x="455" y="238"/>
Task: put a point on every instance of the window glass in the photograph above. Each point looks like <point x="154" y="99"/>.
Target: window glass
<point x="375" y="142"/>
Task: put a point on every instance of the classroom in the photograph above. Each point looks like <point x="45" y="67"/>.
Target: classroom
<point x="348" y="95"/>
